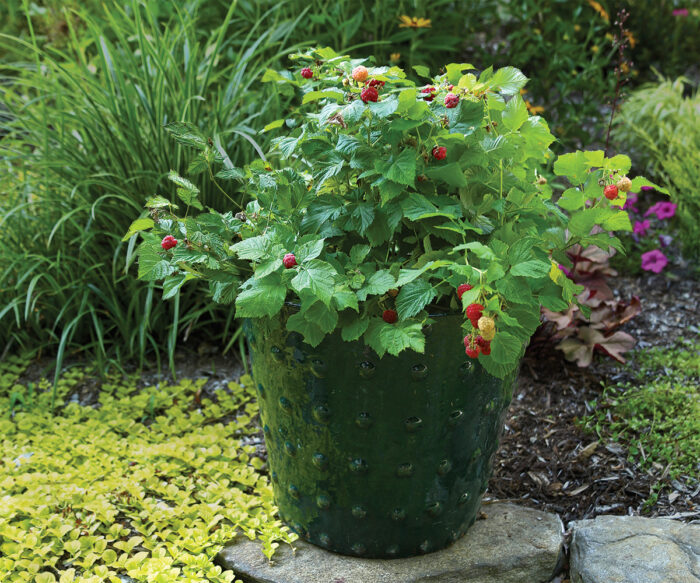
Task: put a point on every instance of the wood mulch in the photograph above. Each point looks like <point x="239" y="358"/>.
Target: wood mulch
<point x="547" y="461"/>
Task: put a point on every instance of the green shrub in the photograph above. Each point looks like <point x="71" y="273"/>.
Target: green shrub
<point x="660" y="126"/>
<point x="85" y="145"/>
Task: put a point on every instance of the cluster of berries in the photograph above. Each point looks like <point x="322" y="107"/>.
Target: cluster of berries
<point x="611" y="191"/>
<point x="474" y="343"/>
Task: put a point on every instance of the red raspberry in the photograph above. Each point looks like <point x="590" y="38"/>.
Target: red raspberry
<point x="486" y="350"/>
<point x="168" y="242"/>
<point x="369" y="94"/>
<point x="467" y="341"/>
<point x="439" y="152"/>
<point x="450" y="87"/>
<point x="289" y="260"/>
<point x="375" y="83"/>
<point x="481" y="341"/>
<point x="465" y="287"/>
<point x="451" y="100"/>
<point x="474" y="312"/>
<point x="430" y="93"/>
<point x="390" y="316"/>
<point x="610" y="192"/>
<point x="472" y="352"/>
<point x="307" y="73"/>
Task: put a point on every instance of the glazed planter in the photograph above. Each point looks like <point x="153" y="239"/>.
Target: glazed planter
<point x="376" y="457"/>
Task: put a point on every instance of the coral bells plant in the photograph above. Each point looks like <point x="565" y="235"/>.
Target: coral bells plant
<point x="382" y="208"/>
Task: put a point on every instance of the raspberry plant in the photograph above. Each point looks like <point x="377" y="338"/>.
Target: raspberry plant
<point x="376" y="222"/>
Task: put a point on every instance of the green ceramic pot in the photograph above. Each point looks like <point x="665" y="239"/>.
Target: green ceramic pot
<point x="376" y="457"/>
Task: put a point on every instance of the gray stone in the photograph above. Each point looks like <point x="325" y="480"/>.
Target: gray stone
<point x="631" y="549"/>
<point x="510" y="545"/>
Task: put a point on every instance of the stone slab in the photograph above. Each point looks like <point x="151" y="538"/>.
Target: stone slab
<point x="511" y="544"/>
<point x="632" y="549"/>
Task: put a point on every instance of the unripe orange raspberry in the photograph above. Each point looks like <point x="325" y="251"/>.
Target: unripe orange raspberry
<point x="624" y="184"/>
<point x="360" y="73"/>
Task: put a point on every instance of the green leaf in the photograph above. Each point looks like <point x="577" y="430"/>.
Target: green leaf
<point x="336" y="94"/>
<point x="515" y="113"/>
<point x="507" y="80"/>
<point x="159" y="202"/>
<point x="451" y="174"/>
<point x="395" y="338"/>
<point x="640" y="181"/>
<point x="621" y="163"/>
<point x="152" y="266"/>
<point x="187" y="191"/>
<point x="620" y="221"/>
<point x="403" y="169"/>
<point x="454" y="71"/>
<point x="355" y="328"/>
<point x="532" y="268"/>
<point x="172" y="285"/>
<point x="322" y="316"/>
<point x="138" y="225"/>
<point x="252" y="249"/>
<point x="312" y="333"/>
<point x="379" y="283"/>
<point x="186" y="134"/>
<point x="413" y="297"/>
<point x="384" y="108"/>
<point x="358" y="253"/>
<point x="273" y="125"/>
<point x="574" y="166"/>
<point x="261" y="297"/>
<point x="422" y="71"/>
<point x="572" y="199"/>
<point x="318" y="277"/>
<point x="505" y="348"/>
<point x="345" y="298"/>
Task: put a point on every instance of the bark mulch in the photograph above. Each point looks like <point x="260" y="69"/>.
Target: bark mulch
<point x="547" y="461"/>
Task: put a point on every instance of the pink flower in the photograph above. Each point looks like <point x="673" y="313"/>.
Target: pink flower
<point x="648" y="188"/>
<point x="663" y="210"/>
<point x="654" y="261"/>
<point x="640" y="227"/>
<point x="566" y="271"/>
<point x="680" y="12"/>
<point x="632" y="198"/>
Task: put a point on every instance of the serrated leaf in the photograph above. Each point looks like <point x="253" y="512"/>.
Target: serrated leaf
<point x="187" y="191"/>
<point x="395" y="338"/>
<point x="533" y="268"/>
<point x="318" y="277"/>
<point x="515" y="114"/>
<point x="355" y="328"/>
<point x="159" y="202"/>
<point x="261" y="297"/>
<point x="413" y="297"/>
<point x="186" y="134"/>
<point x="172" y="285"/>
<point x="311" y="332"/>
<point x="574" y="166"/>
<point x="403" y="168"/>
<point x="507" y="80"/>
<point x="142" y="224"/>
<point x="379" y="283"/>
<point x="253" y="248"/>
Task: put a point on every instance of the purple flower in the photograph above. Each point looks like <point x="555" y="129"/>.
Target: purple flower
<point x="632" y="198"/>
<point x="647" y="188"/>
<point x="654" y="261"/>
<point x="665" y="240"/>
<point x="663" y="210"/>
<point x="680" y="12"/>
<point x="640" y="227"/>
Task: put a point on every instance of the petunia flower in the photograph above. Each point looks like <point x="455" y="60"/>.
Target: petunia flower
<point x="632" y="198"/>
<point x="648" y="188"/>
<point x="680" y="12"/>
<point x="654" y="261"/>
<point x="641" y="227"/>
<point x="663" y="210"/>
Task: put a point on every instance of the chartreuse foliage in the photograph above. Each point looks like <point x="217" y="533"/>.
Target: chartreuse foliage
<point x="92" y="493"/>
<point x="377" y="222"/>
